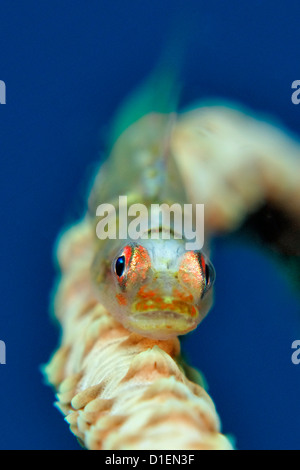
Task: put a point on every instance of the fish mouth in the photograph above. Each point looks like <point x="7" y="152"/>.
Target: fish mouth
<point x="166" y="305"/>
<point x="163" y="319"/>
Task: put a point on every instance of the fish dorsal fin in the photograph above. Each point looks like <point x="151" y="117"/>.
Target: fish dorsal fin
<point x="159" y="93"/>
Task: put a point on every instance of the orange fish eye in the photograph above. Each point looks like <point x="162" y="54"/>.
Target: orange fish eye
<point x="208" y="273"/>
<point x="197" y="272"/>
<point x="120" y="266"/>
<point x="132" y="263"/>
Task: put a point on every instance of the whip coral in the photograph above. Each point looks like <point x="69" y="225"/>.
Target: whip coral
<point x="120" y="390"/>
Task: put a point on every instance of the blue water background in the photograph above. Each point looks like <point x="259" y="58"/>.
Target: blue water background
<point x="67" y="65"/>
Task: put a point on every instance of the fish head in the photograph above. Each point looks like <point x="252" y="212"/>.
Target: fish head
<point x="157" y="288"/>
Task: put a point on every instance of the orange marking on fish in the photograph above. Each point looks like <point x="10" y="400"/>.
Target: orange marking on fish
<point x="182" y="295"/>
<point x="146" y="293"/>
<point x="121" y="299"/>
<point x="193" y="311"/>
<point x="190" y="272"/>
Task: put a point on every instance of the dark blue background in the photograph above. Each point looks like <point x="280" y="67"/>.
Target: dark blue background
<point x="67" y="64"/>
